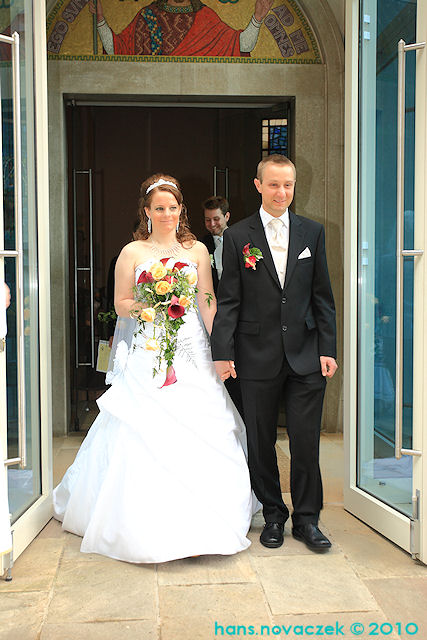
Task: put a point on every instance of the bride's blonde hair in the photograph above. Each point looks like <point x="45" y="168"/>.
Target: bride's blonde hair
<point x="183" y="234"/>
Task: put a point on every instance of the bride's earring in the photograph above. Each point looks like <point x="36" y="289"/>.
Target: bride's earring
<point x="177" y="227"/>
<point x="149" y="225"/>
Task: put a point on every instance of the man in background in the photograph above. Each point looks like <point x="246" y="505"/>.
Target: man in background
<point x="216" y="216"/>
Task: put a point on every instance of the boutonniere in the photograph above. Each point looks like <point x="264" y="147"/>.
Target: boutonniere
<point x="251" y="256"/>
<point x="212" y="260"/>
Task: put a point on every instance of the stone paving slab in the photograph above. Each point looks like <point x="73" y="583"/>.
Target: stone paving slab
<point x="22" y="614"/>
<point x="312" y="584"/>
<point x="124" y="630"/>
<point x="403" y="600"/>
<point x="35" y="570"/>
<point x="314" y="625"/>
<point x="207" y="570"/>
<point x="53" y="529"/>
<point x="209" y="628"/>
<point x="370" y="554"/>
<point x="103" y="590"/>
<point x="213" y="602"/>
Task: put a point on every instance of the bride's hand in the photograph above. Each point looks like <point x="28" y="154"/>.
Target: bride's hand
<point x="225" y="369"/>
<point x="137" y="309"/>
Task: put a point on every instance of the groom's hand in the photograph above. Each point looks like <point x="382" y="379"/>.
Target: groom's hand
<point x="328" y="366"/>
<point x="225" y="369"/>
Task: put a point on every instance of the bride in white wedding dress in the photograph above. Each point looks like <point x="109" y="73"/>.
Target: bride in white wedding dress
<point x="162" y="473"/>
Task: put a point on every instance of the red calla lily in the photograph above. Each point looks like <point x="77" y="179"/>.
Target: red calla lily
<point x="175" y="309"/>
<point x="145" y="277"/>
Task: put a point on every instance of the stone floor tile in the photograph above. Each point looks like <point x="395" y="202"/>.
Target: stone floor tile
<point x="371" y="622"/>
<point x="209" y="627"/>
<point x="333" y="492"/>
<point x="21" y="615"/>
<point x="214" y="602"/>
<point x="64" y="458"/>
<point x="36" y="567"/>
<point x="72" y="550"/>
<point x="318" y="583"/>
<point x="207" y="570"/>
<point x="53" y="529"/>
<point x="403" y="600"/>
<point x="123" y="630"/>
<point x="103" y="590"/>
<point x="72" y="441"/>
<point x="371" y="555"/>
<point x="337" y="519"/>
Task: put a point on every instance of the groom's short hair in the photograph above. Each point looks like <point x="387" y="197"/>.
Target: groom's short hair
<point x="275" y="158"/>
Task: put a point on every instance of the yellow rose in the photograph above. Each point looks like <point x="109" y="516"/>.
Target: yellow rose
<point x="152" y="345"/>
<point x="184" y="301"/>
<point x="158" y="271"/>
<point x="192" y="278"/>
<point x="162" y="287"/>
<point x="147" y="315"/>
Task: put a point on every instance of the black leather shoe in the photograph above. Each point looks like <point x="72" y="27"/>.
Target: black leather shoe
<point x="272" y="535"/>
<point x="312" y="536"/>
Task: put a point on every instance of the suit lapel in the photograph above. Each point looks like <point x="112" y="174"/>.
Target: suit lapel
<point x="296" y="242"/>
<point x="259" y="240"/>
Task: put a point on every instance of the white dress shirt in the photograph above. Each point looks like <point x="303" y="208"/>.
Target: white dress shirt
<point x="277" y="241"/>
<point x="218" y="240"/>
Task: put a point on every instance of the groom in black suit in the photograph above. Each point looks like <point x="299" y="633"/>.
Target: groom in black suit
<point x="275" y="329"/>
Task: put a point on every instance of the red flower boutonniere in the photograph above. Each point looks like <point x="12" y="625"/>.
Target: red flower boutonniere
<point x="251" y="256"/>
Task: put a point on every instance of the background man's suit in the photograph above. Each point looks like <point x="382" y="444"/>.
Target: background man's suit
<point x="275" y="336"/>
<point x="209" y="242"/>
<point x="232" y="385"/>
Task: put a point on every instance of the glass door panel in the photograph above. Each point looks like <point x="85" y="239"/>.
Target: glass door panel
<point x="18" y="244"/>
<point x="378" y="471"/>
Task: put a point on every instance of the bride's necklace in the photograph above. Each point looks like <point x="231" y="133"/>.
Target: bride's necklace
<point x="165" y="252"/>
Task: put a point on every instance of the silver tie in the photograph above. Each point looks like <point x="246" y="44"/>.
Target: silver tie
<point x="278" y="249"/>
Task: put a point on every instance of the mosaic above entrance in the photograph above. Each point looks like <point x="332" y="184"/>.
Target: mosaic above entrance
<point x="236" y="31"/>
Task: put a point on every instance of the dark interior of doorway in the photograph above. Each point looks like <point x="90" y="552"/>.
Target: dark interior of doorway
<point x="111" y="150"/>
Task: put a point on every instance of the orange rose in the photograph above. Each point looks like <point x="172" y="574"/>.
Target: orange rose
<point x="158" y="271"/>
<point x="147" y="315"/>
<point x="152" y="345"/>
<point x="162" y="288"/>
<point x="184" y="301"/>
<point x="192" y="278"/>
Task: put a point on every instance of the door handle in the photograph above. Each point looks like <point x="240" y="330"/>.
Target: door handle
<point x="401" y="253"/>
<point x="216" y="170"/>
<point x="90" y="269"/>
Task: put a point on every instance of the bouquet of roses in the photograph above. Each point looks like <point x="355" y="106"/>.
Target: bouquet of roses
<point x="168" y="290"/>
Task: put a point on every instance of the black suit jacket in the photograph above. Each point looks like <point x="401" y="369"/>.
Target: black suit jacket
<point x="209" y="242"/>
<point x="257" y="321"/>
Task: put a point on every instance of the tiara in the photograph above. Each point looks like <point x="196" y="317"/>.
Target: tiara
<point x="159" y="184"/>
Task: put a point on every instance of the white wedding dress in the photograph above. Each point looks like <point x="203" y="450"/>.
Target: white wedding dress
<point x="162" y="473"/>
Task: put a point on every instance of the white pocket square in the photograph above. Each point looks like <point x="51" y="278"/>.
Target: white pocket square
<point x="305" y="254"/>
